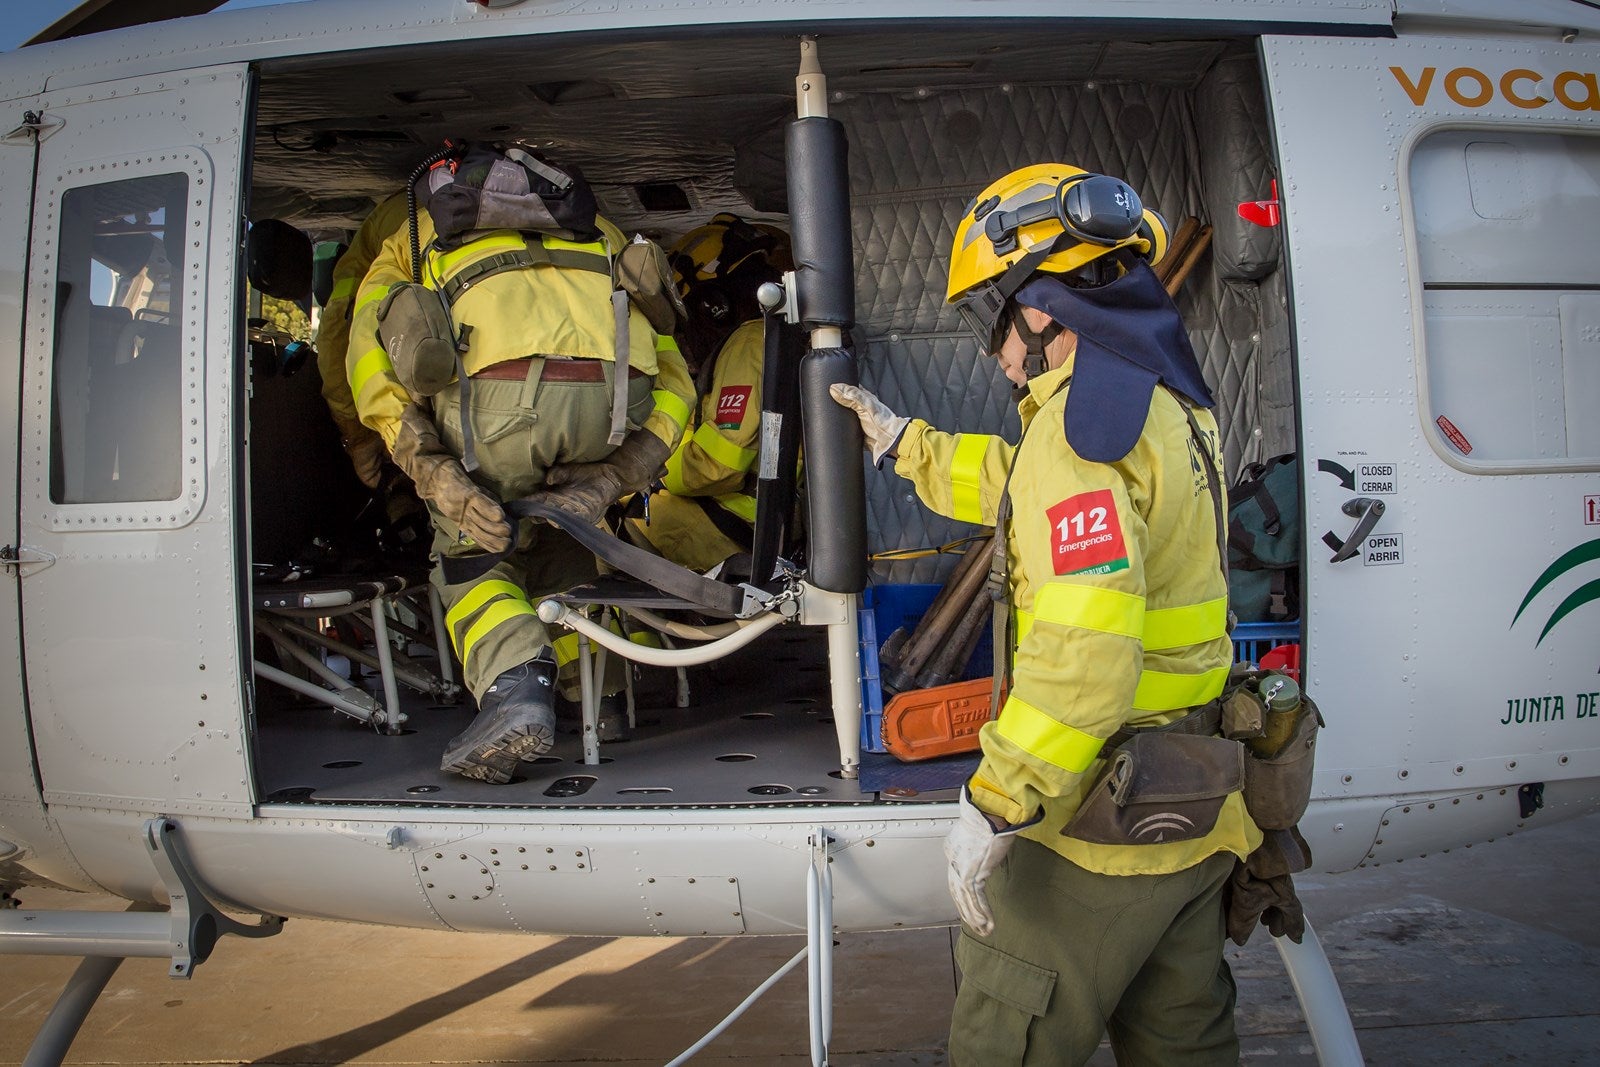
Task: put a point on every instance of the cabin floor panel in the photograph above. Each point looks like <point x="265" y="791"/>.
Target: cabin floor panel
<point x="759" y="731"/>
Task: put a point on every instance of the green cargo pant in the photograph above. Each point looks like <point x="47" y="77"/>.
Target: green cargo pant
<point x="520" y="430"/>
<point x="1076" y="954"/>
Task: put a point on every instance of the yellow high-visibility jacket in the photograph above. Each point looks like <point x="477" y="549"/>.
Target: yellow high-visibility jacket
<point x="715" y="458"/>
<point x="1120" y="608"/>
<point x="548" y="310"/>
<point x="333" y="331"/>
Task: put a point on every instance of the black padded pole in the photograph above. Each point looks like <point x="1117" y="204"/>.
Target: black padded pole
<point x="835" y="486"/>
<point x="819" y="222"/>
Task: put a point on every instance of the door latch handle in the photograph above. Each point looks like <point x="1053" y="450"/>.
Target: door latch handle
<point x="1366" y="511"/>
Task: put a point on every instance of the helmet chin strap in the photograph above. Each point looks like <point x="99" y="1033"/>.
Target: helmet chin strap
<point x="1033" y="364"/>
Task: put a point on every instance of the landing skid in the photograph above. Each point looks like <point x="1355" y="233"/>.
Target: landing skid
<point x="184" y="933"/>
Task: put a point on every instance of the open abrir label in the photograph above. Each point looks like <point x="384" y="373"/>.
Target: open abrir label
<point x="1374" y="478"/>
<point x="1382" y="550"/>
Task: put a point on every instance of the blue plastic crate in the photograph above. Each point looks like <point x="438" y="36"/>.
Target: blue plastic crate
<point x="884" y="609"/>
<point x="1252" y="640"/>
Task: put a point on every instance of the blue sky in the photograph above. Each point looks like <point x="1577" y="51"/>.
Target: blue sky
<point x="25" y="20"/>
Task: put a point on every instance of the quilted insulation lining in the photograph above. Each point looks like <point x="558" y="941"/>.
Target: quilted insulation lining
<point x="915" y="162"/>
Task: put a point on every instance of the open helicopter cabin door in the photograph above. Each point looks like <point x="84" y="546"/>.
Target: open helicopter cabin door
<point x="1441" y="212"/>
<point x="129" y="447"/>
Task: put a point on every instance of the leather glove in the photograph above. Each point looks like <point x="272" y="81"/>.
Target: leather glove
<point x="881" y="426"/>
<point x="973" y="850"/>
<point x="587" y="489"/>
<point x="1261" y="889"/>
<point x="443" y="482"/>
<point x="367" y="454"/>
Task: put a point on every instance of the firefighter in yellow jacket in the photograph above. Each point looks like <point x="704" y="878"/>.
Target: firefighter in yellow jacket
<point x="706" y="506"/>
<point x="363" y="445"/>
<point x="528" y="390"/>
<point x="1085" y="909"/>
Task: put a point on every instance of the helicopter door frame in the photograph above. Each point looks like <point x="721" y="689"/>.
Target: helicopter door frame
<point x="1413" y="644"/>
<point x="21" y="811"/>
<point x="130" y="444"/>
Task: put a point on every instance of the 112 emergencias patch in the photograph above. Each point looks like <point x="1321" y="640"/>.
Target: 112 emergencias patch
<point x="731" y="404"/>
<point x="1086" y="535"/>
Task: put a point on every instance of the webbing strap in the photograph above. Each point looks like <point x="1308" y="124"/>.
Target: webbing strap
<point x="726" y="523"/>
<point x="1213" y="478"/>
<point x="530" y="255"/>
<point x="681" y="582"/>
<point x="619" y="369"/>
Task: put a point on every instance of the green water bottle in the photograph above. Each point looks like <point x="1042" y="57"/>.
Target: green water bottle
<point x="1281" y="695"/>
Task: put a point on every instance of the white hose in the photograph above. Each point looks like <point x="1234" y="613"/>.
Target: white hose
<point x="555" y="614"/>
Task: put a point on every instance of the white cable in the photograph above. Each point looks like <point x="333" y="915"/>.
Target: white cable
<point x="734" y="1015"/>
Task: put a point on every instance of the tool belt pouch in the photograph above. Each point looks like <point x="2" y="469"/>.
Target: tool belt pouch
<point x="1277" y="786"/>
<point x="643" y="273"/>
<point x="1160" y="787"/>
<point x="415" y="330"/>
<point x="1244" y="713"/>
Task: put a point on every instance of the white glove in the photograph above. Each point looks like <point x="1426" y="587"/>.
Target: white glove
<point x="973" y="850"/>
<point x="881" y="426"/>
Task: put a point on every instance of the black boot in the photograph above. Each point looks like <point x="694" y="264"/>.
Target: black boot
<point x="516" y="721"/>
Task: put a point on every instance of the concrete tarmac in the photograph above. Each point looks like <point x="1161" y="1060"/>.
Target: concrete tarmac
<point x="1485" y="955"/>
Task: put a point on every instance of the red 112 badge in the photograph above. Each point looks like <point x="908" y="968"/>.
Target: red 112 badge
<point x="1086" y="535"/>
<point x="731" y="403"/>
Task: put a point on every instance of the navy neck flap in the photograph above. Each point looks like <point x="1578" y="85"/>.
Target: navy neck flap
<point x="1130" y="337"/>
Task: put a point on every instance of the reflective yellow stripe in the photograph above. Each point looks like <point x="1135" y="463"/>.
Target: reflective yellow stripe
<point x="672" y="480"/>
<point x="740" y="504"/>
<point x="445" y="264"/>
<point x="499" y="612"/>
<point x="966" y="504"/>
<point x="723" y="450"/>
<point x="672" y="406"/>
<point x="665" y="342"/>
<point x="1021" y="623"/>
<point x="647" y="638"/>
<point x="597" y="247"/>
<point x="1045" y="738"/>
<point x="377" y="292"/>
<point x="477" y="597"/>
<point x="367" y="368"/>
<point x="1164" y="691"/>
<point x="1193" y="624"/>
<point x="566" y="649"/>
<point x="343" y="288"/>
<point x="1091" y="608"/>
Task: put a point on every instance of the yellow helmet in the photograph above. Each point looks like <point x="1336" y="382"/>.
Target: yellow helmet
<point x="1050" y="217"/>
<point x="718" y="268"/>
<point x="724" y="246"/>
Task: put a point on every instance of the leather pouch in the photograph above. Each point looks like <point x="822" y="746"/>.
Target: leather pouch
<point x="1277" y="790"/>
<point x="415" y="330"/>
<point x="1160" y="787"/>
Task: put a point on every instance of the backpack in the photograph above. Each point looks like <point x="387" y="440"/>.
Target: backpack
<point x="475" y="187"/>
<point x="1264" y="541"/>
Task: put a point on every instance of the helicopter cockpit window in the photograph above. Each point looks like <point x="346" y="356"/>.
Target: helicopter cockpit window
<point x="115" y="431"/>
<point x="1507" y="222"/>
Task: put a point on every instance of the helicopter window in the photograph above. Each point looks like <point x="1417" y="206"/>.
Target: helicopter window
<point x="1507" y="222"/>
<point x="115" y="427"/>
